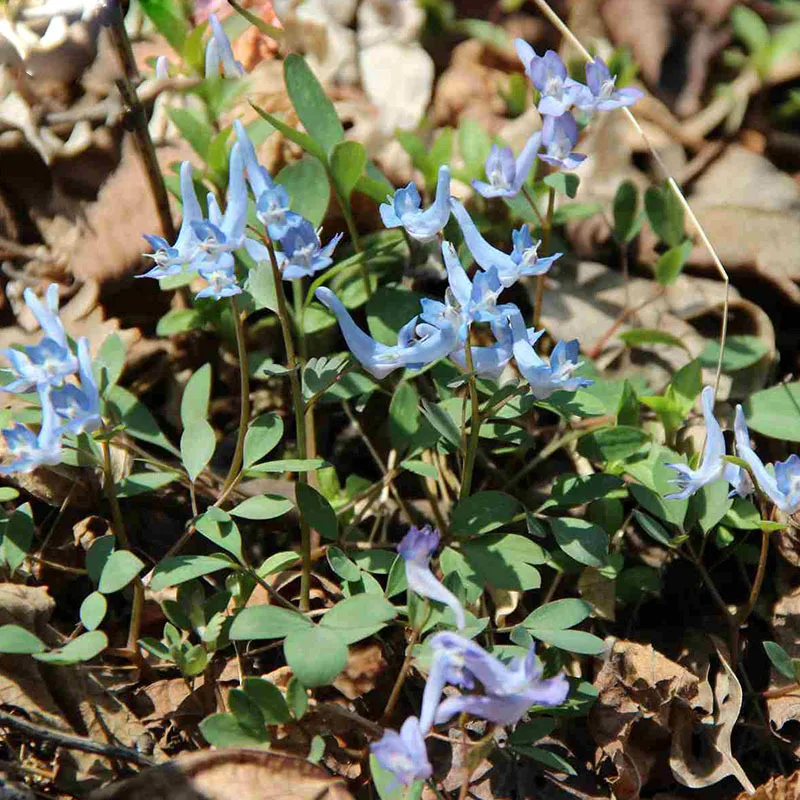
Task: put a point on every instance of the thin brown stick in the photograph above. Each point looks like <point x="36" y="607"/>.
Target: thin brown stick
<point x="401" y="676"/>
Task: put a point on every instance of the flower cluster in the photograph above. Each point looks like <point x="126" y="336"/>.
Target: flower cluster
<point x="441" y="329"/>
<point x="44" y="368"/>
<point x="781" y="485"/>
<point x="508" y="690"/>
<point x="558" y="93"/>
<point x="207" y="246"/>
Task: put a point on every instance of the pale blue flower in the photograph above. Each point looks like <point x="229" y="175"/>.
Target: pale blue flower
<point x="273" y="211"/>
<point x="782" y="486"/>
<point x="403" y="754"/>
<point x="505" y="175"/>
<point x="162" y="68"/>
<point x="559" y="136"/>
<point x="30" y="450"/>
<point x="418" y="343"/>
<point x="78" y="407"/>
<point x="221" y="277"/>
<point x="602" y="93"/>
<point x="219" y="52"/>
<point x="523" y="261"/>
<point x="711" y="466"/>
<point x="489" y="361"/>
<point x="303" y="253"/>
<point x="416" y="549"/>
<point x="50" y="361"/>
<point x="545" y="378"/>
<point x="509" y="690"/>
<point x="171" y="259"/>
<point x="403" y="209"/>
<point x="257" y="176"/>
<point x="549" y="75"/>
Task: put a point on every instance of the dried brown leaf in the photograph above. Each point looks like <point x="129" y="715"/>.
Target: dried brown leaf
<point x="365" y="665"/>
<point x="781" y="787"/>
<point x="229" y="775"/>
<point x="786" y="627"/>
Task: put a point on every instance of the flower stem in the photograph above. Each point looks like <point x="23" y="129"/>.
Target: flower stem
<point x="244" y="411"/>
<point x="547" y="227"/>
<point x="347" y="213"/>
<point x="118" y="526"/>
<point x="475" y="426"/>
<point x="299" y="416"/>
<point x="401" y="677"/>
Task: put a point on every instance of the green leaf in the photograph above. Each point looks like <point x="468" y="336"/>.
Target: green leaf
<point x="110" y="359"/>
<point x="421" y="468"/>
<point x="292" y="134"/>
<point x="750" y="28"/>
<point x="267" y="696"/>
<point x="626" y="217"/>
<point x="552" y="761"/>
<point x="246" y="710"/>
<point x="653" y="528"/>
<point x="198" y="442"/>
<point x="576" y="490"/>
<point x="194" y="661"/>
<point x="196" y="395"/>
<point x="84" y="648"/>
<point x="260" y="285"/>
<point x="342" y="565"/>
<point x="138" y="421"/>
<point x="388" y="309"/>
<point x="93" y="610"/>
<point x="278" y="34"/>
<point x="288" y="465"/>
<point x="17" y="537"/>
<point x="358" y="617"/>
<point x="316" y="511"/>
<point x="267" y="622"/>
<point x="776" y="412"/>
<point x="98" y="554"/>
<point x="527" y="732"/>
<point x="194" y="128"/>
<point x="312" y="105"/>
<point x="559" y="615"/>
<point x="581" y="540"/>
<point x="780" y="659"/>
<point x="263" y="506"/>
<point x="404" y="417"/>
<point x="387" y="785"/>
<point x="262" y="436"/>
<point x="483" y="512"/>
<point x="179" y="569"/>
<point x="565" y="183"/>
<point x="347" y="162"/>
<point x="669" y="265"/>
<point x="503" y="560"/>
<point x="573" y="641"/>
<point x="218" y="527"/>
<point x="296" y="698"/>
<point x="306" y="181"/>
<point x="638" y="337"/>
<point x="277" y="563"/>
<point x="8" y="493"/>
<point x="224" y="730"/>
<point x="15" y="639"/>
<point x="710" y="504"/>
<point x="143" y="482"/>
<point x="740" y="352"/>
<point x="169" y="19"/>
<point x="441" y="422"/>
<point x="613" y="444"/>
<point x="179" y="320"/>
<point x="665" y="214"/>
<point x="474" y="145"/>
<point x="119" y="570"/>
<point x="316" y="655"/>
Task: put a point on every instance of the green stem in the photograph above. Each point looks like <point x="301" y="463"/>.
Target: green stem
<point x="475" y="426"/>
<point x="347" y="213"/>
<point x="547" y="227"/>
<point x="244" y="409"/>
<point x="299" y="317"/>
<point x="299" y="417"/>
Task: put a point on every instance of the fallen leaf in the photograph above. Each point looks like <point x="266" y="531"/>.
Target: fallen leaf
<point x="781" y="787"/>
<point x="786" y="629"/>
<point x="229" y="775"/>
<point x="716" y="760"/>
<point x="365" y="665"/>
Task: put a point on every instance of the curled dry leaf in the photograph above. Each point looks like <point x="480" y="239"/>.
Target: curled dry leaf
<point x="365" y="665"/>
<point x="781" y="787"/>
<point x="631" y="721"/>
<point x="715" y="761"/>
<point x="785" y="708"/>
<point x="229" y="775"/>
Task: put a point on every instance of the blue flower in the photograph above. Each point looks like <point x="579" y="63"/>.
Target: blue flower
<point x="273" y="211"/>
<point x="221" y="278"/>
<point x="219" y="50"/>
<point x="50" y="361"/>
<point x="79" y="406"/>
<point x="403" y="754"/>
<point x="559" y="136"/>
<point x="544" y="378"/>
<point x="509" y="690"/>
<point x="303" y="254"/>
<point x="416" y="550"/>
<point x="711" y="464"/>
<point x="602" y="93"/>
<point x="257" y="176"/>
<point x="549" y="75"/>
<point x="506" y="176"/>
<point x="31" y="450"/>
<point x="782" y="487"/>
<point x="523" y="261"/>
<point x="171" y="259"/>
<point x="403" y="210"/>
